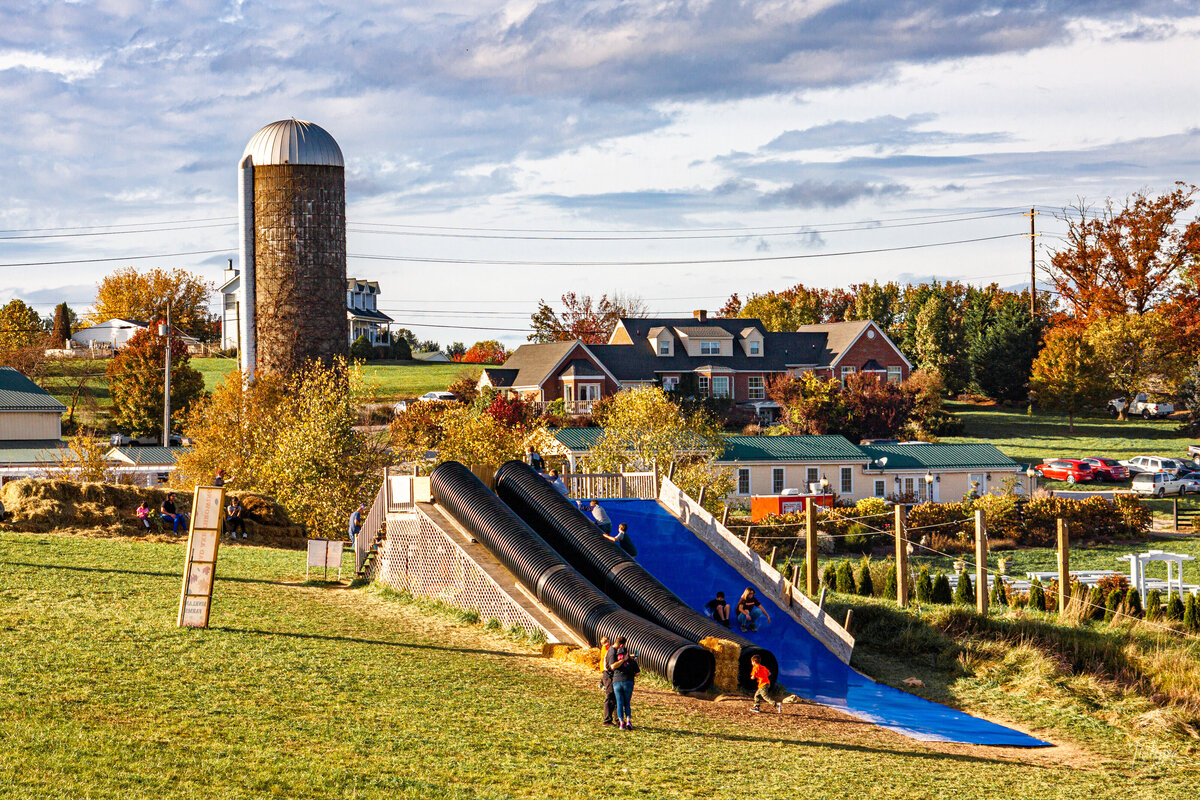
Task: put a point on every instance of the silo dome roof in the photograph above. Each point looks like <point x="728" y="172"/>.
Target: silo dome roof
<point x="293" y="141"/>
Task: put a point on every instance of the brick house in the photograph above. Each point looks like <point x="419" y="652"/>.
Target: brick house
<point x="729" y="358"/>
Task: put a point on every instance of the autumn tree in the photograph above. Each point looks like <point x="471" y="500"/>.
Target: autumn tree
<point x="60" y="331"/>
<point x="418" y="429"/>
<point x="1127" y="259"/>
<point x="135" y="379"/>
<point x="1067" y="374"/>
<point x="83" y="460"/>
<point x="866" y="407"/>
<point x="644" y="430"/>
<point x="876" y="302"/>
<point x="472" y="437"/>
<point x="20" y="326"/>
<point x="580" y="319"/>
<point x="938" y="342"/>
<point x="1138" y="352"/>
<point x="485" y="352"/>
<point x="1002" y="349"/>
<point x="144" y="296"/>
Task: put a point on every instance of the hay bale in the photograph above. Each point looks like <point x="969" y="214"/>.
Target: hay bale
<point x="727" y="655"/>
<point x="263" y="510"/>
<point x="557" y="650"/>
<point x="588" y="657"/>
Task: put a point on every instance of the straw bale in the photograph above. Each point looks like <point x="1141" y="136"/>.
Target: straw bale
<point x="727" y="655"/>
<point x="585" y="657"/>
<point x="557" y="650"/>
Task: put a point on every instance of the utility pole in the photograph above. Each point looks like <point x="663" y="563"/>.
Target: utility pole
<point x="1032" y="265"/>
<point x="167" y="383"/>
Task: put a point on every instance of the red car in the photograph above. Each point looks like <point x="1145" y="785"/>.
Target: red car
<point x="1071" y="470"/>
<point x="1107" y="469"/>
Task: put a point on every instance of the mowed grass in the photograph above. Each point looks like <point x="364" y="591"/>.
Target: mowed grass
<point x="304" y="691"/>
<point x="387" y="380"/>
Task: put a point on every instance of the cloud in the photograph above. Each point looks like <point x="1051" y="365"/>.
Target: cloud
<point x="881" y="133"/>
<point x="815" y="194"/>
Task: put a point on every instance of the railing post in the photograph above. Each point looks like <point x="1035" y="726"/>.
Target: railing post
<point x="1064" y="565"/>
<point x="981" y="570"/>
<point x="1175" y="512"/>
<point x="810" y="548"/>
<point x="901" y="556"/>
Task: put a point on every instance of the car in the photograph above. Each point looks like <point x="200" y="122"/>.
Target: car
<point x="1139" y="464"/>
<point x="1158" y="484"/>
<point x="445" y="397"/>
<point x="1142" y="405"/>
<point x="1190" y="481"/>
<point x="1071" y="470"/>
<point x="1193" y="452"/>
<point x="1107" y="469"/>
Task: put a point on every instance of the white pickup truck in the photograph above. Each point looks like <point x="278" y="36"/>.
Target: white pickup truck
<point x="1142" y="406"/>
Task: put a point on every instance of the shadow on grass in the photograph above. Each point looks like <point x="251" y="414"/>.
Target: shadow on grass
<point x="357" y="640"/>
<point x="106" y="570"/>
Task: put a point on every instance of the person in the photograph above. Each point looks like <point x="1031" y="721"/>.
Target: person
<point x="219" y="478"/>
<point x="233" y="519"/>
<point x="3" y="513"/>
<point x="750" y="611"/>
<point x="169" y="514"/>
<point x="558" y="483"/>
<point x="356" y="522"/>
<point x="624" y="666"/>
<point x="601" y="518"/>
<point x="762" y="676"/>
<point x="718" y="609"/>
<point x="606" y="682"/>
<point x="623" y="538"/>
<point x="535" y="459"/>
<point x="143" y="514"/>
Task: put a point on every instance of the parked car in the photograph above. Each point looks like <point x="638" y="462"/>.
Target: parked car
<point x="1139" y="464"/>
<point x="1071" y="470"/>
<point x="402" y="406"/>
<point x="1158" y="484"/>
<point x="1193" y="452"/>
<point x="1142" y="405"/>
<point x="1190" y="481"/>
<point x="1107" y="469"/>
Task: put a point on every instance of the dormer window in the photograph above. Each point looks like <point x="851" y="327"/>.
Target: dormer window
<point x="710" y="348"/>
<point x="753" y="347"/>
<point x="664" y="347"/>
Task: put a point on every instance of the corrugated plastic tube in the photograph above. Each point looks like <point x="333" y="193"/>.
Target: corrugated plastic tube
<point x="559" y="586"/>
<point x="565" y="528"/>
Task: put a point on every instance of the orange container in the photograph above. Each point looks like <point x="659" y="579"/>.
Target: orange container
<point x="768" y="504"/>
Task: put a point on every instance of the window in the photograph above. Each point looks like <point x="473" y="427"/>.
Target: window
<point x="880" y="488"/>
<point x="703" y="385"/>
<point x="664" y="347"/>
<point x="813" y="476"/>
<point x="846" y="373"/>
<point x="757" y="390"/>
<point x="670" y="383"/>
<point x="720" y="386"/>
<point x="895" y="374"/>
<point x="744" y="481"/>
<point x="847" y="480"/>
<point x="710" y="348"/>
<point x="977" y="483"/>
<point x="753" y="347"/>
<point x="910" y="487"/>
<point x="776" y="480"/>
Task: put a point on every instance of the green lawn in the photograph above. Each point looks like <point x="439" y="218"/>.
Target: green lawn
<point x="304" y="691"/>
<point x="389" y="380"/>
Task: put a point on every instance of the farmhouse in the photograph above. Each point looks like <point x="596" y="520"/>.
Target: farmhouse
<point x="723" y="358"/>
<point x="30" y="427"/>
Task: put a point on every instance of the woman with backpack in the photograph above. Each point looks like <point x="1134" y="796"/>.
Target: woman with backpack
<point x="624" y="666"/>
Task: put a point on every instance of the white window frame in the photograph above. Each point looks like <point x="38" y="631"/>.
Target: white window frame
<point x="588" y="392"/>
<point x="753" y="347"/>
<point x="669" y="383"/>
<point x="847" y="372"/>
<point x="895" y="374"/>
<point x="812" y="475"/>
<point x="846" y="483"/>
<point x="709" y="347"/>
<point x="743" y="480"/>
<point x="756" y="388"/>
<point x="717" y="382"/>
<point x="702" y="385"/>
<point x="664" y="347"/>
<point x="777" y="480"/>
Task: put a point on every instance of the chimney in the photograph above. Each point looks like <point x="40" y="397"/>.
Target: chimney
<point x="701" y="315"/>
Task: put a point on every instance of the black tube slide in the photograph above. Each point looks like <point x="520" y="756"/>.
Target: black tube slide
<point x="578" y="603"/>
<point x="610" y="568"/>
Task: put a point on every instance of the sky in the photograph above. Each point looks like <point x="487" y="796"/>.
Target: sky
<point x="502" y="153"/>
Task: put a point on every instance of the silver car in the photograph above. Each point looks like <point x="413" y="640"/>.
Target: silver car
<point x="1158" y="484"/>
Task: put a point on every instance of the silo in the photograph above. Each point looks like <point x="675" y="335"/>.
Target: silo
<point x="292" y="198"/>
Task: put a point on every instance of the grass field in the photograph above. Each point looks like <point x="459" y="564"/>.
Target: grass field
<point x="388" y="380"/>
<point x="304" y="691"/>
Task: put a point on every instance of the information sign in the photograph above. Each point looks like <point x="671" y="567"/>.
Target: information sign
<point x="199" y="570"/>
<point x="324" y="554"/>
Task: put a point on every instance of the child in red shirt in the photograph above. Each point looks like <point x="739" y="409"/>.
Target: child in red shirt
<point x="762" y="676"/>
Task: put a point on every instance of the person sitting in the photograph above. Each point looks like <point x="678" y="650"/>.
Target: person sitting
<point x="168" y="513"/>
<point x="143" y="514"/>
<point x="233" y="519"/>
<point x="601" y="518"/>
<point x="558" y="483"/>
<point x="718" y="609"/>
<point x="623" y="539"/>
<point x="750" y="611"/>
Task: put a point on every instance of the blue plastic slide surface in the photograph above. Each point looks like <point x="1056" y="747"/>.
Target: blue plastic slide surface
<point x="690" y="568"/>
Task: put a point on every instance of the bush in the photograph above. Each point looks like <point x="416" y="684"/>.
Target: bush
<point x="1191" y="614"/>
<point x="1113" y="583"/>
<point x="1096" y="604"/>
<point x="1133" y="603"/>
<point x="1175" y="608"/>
<point x="866" y="586"/>
<point x="999" y="593"/>
<point x="1037" y="596"/>
<point x="924" y="586"/>
<point x="829" y="577"/>
<point x="890" y="585"/>
<point x="845" y="579"/>
<point x="1112" y="605"/>
<point x="1153" y="605"/>
<point x="361" y="350"/>
<point x="941" y="590"/>
<point x="964" y="593"/>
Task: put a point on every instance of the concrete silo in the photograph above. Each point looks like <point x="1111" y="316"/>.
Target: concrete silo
<point x="292" y="199"/>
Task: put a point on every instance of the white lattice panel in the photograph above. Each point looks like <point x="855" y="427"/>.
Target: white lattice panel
<point x="420" y="558"/>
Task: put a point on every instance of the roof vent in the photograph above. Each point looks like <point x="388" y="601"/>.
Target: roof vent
<point x="701" y="315"/>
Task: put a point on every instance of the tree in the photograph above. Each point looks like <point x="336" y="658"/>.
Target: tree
<point x="964" y="592"/>
<point x="291" y="437"/>
<point x="1136" y="351"/>
<point x="418" y="429"/>
<point x="1067" y="374"/>
<point x="20" y="326"/>
<point x="1127" y="260"/>
<point x="135" y="378"/>
<point x="60" y="331"/>
<point x="580" y="320"/>
<point x="361" y="350"/>
<point x="814" y="404"/>
<point x="938" y="341"/>
<point x="83" y="460"/>
<point x="644" y="430"/>
<point x="456" y="350"/>
<point x="878" y="303"/>
<point x="1189" y="399"/>
<point x="144" y="296"/>
<point x="864" y="408"/>
<point x="478" y="438"/>
<point x="1002" y="352"/>
<point x="485" y="352"/>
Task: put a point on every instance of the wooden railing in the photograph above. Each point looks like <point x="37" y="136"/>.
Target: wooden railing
<point x="611" y="485"/>
<point x="572" y="407"/>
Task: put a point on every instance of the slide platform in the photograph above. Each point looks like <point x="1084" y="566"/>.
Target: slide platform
<point x="690" y="568"/>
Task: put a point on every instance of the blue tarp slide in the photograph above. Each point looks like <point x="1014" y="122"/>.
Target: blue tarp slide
<point x="691" y="569"/>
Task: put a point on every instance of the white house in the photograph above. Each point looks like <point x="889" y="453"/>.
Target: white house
<point x="114" y="333"/>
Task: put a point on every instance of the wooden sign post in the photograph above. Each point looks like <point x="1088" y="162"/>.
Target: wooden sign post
<point x="901" y="557"/>
<point x="1064" y="565"/>
<point x="812" y="577"/>
<point x="200" y="566"/>
<point x="981" y="570"/>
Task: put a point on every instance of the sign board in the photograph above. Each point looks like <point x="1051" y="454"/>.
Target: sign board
<point x="324" y="554"/>
<point x="200" y="566"/>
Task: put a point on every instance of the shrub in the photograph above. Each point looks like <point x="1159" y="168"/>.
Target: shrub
<point x="829" y="577"/>
<point x="964" y="592"/>
<point x="1153" y="605"/>
<point x="1191" y="614"/>
<point x="866" y="586"/>
<point x="1037" y="596"/>
<point x="1113" y="583"/>
<point x="361" y="350"/>
<point x="890" y="585"/>
<point x="941" y="590"/>
<point x="924" y="586"/>
<point x="845" y="579"/>
<point x="1095" y="604"/>
<point x="1112" y="605"/>
<point x="1175" y="608"/>
<point x="1133" y="603"/>
<point x="999" y="593"/>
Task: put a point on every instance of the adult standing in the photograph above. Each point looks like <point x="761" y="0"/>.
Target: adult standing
<point x="624" y="669"/>
<point x="600" y="516"/>
<point x="750" y="610"/>
<point x="606" y="682"/>
<point x="622" y="538"/>
<point x="219" y="478"/>
<point x="356" y="523"/>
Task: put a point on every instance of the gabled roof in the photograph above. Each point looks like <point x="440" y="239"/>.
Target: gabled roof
<point x="705" y="331"/>
<point x="499" y="377"/>
<point x="578" y="439"/>
<point x="33" y="452"/>
<point x="939" y="456"/>
<point x="153" y="456"/>
<point x="578" y="368"/>
<point x="367" y="314"/>
<point x="18" y="393"/>
<point x="792" y="448"/>
<point x="534" y="363"/>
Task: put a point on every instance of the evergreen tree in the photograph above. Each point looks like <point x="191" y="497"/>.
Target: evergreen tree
<point x="1133" y="602"/>
<point x="964" y="592"/>
<point x="829" y="577"/>
<point x="845" y="579"/>
<point x="1191" y="614"/>
<point x="1002" y="353"/>
<point x="999" y="594"/>
<point x="1037" y="596"/>
<point x="941" y="590"/>
<point x="890" y="585"/>
<point x="1153" y="605"/>
<point x="1112" y="605"/>
<point x="61" y="330"/>
<point x="866" y="586"/>
<point x="924" y="586"/>
<point x="361" y="349"/>
<point x="1175" y="608"/>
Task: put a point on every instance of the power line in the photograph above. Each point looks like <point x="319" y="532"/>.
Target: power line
<point x="118" y="258"/>
<point x="116" y="233"/>
<point x="122" y="225"/>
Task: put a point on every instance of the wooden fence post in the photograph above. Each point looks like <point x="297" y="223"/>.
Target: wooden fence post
<point x="700" y="499"/>
<point x="725" y="516"/>
<point x="981" y="570"/>
<point x="1175" y="512"/>
<point x="1064" y="565"/>
<point x="772" y="561"/>
<point x="812" y="578"/>
<point x="901" y="557"/>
